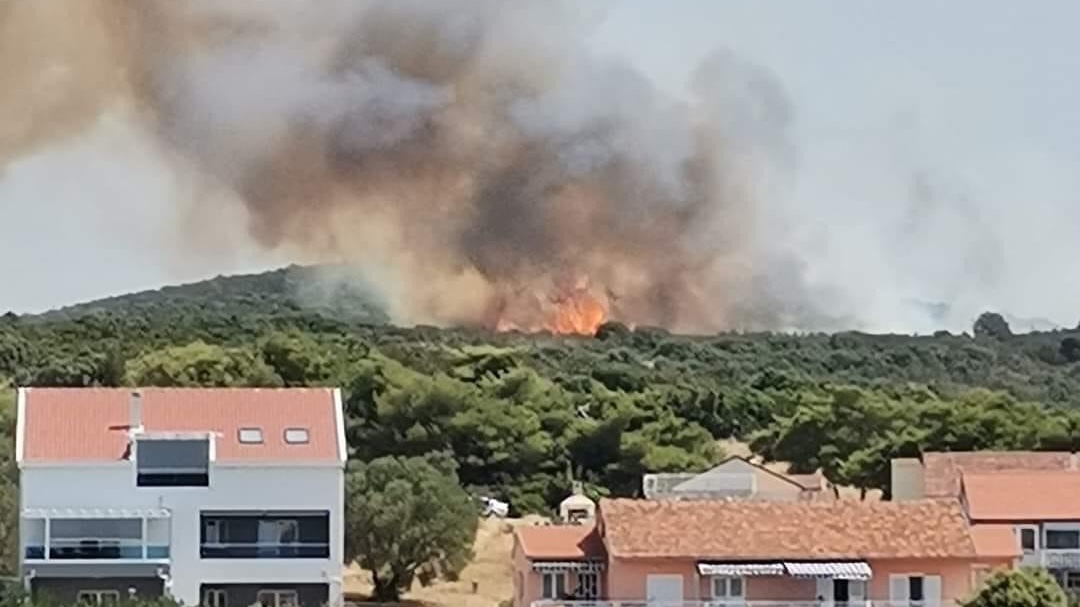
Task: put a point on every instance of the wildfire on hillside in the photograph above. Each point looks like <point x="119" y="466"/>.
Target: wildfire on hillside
<point x="568" y="309"/>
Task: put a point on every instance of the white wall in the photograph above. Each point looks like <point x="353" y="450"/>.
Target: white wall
<point x="239" y="487"/>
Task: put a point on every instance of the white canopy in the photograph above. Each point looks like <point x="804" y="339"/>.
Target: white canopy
<point x="741" y="569"/>
<point x="840" y="570"/>
<point x="88" y="513"/>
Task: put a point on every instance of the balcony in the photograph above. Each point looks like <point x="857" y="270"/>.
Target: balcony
<point x="1050" y="558"/>
<point x="95" y="535"/>
<point x="269" y="550"/>
<point x="265" y="535"/>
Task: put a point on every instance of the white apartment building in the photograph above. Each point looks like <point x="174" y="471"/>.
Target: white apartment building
<point x="219" y="497"/>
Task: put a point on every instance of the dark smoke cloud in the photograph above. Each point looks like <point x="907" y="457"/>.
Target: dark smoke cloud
<point x="473" y="150"/>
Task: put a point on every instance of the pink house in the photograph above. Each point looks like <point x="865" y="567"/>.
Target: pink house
<point x="922" y="552"/>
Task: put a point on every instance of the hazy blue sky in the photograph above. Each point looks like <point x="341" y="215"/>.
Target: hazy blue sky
<point x="937" y="147"/>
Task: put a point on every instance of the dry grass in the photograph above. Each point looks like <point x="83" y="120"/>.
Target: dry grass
<point x="490" y="569"/>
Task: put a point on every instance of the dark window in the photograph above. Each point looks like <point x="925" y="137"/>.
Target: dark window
<point x="1027" y="539"/>
<point x="172" y="462"/>
<point x="1062" y="539"/>
<point x="915" y="588"/>
<point x="265" y="535"/>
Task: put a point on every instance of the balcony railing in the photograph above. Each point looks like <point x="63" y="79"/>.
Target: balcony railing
<point x="96" y="549"/>
<point x="1060" y="559"/>
<point x="265" y="550"/>
<point x="737" y="603"/>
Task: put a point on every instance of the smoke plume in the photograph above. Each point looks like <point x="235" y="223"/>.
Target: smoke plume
<point x="475" y="152"/>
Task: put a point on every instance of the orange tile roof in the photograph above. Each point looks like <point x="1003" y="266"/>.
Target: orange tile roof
<point x="554" y="542"/>
<point x="759" y="530"/>
<point x="90" y="424"/>
<point x="942" y="470"/>
<point x="995" y="541"/>
<point x="1023" y="496"/>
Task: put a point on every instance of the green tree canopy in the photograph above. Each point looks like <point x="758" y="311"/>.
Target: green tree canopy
<point x="1027" y="587"/>
<point x="200" y="364"/>
<point x="407" y="519"/>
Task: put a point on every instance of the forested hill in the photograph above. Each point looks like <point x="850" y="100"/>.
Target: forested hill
<point x="522" y="414"/>
<point x="289" y="290"/>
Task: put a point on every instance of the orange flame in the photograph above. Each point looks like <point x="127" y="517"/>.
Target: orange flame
<point x="571" y="310"/>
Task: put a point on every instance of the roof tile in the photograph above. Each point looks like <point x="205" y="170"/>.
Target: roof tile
<point x="569" y="542"/>
<point x="942" y="470"/>
<point x="1027" y="496"/>
<point x="995" y="541"/>
<point x="757" y="530"/>
<point x="90" y="424"/>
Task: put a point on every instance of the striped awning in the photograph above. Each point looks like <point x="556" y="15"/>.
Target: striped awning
<point x="741" y="569"/>
<point x="95" y="513"/>
<point x="556" y="566"/>
<point x="840" y="570"/>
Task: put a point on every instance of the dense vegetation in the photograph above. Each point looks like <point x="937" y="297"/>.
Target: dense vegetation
<point x="522" y="415"/>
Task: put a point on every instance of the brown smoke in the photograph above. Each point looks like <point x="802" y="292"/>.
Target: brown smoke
<point x="474" y="148"/>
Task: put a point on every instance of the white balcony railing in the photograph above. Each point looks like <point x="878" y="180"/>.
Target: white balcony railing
<point x="1052" y="558"/>
<point x="728" y="603"/>
<point x="1061" y="559"/>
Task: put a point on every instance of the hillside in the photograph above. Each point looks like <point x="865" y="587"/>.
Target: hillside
<point x="522" y="413"/>
<point x="289" y="290"/>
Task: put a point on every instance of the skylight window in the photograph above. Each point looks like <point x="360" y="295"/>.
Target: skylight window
<point x="251" y="436"/>
<point x="296" y="436"/>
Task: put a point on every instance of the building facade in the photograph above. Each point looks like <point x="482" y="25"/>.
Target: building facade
<point x="746" y="552"/>
<point x="219" y="497"/>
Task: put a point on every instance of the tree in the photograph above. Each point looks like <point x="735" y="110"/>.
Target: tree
<point x="200" y="364"/>
<point x="1028" y="587"/>
<point x="992" y="324"/>
<point x="407" y="519"/>
<point x="1070" y="349"/>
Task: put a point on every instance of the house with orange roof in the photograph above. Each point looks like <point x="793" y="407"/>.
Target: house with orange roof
<point x="937" y="474"/>
<point x="215" y="497"/>
<point x="1041" y="507"/>
<point x="740" y="478"/>
<point x="755" y="551"/>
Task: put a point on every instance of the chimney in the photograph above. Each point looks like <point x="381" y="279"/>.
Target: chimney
<point x="135" y="412"/>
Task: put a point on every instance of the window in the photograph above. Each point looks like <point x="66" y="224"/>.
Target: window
<point x="296" y="436"/>
<point x="554" y="585"/>
<point x="1028" y="539"/>
<point x="277" y="598"/>
<point x="588" y="587"/>
<point x="172" y="462"/>
<point x="1072" y="580"/>
<point x="846" y="591"/>
<point x="282" y="534"/>
<point x="95" y="538"/>
<point x="724" y="587"/>
<point x="1063" y="539"/>
<point x="214" y="597"/>
<point x="916" y="590"/>
<point x="250" y="436"/>
<point x="98" y="597"/>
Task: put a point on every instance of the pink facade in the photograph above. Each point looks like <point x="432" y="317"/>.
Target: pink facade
<point x="627" y="579"/>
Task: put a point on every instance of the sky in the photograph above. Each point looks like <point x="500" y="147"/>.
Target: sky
<point x="936" y="146"/>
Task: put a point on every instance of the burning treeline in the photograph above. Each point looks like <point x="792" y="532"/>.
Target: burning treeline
<point x="476" y="149"/>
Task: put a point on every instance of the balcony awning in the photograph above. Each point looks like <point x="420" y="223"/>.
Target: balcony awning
<point x="557" y="566"/>
<point x="95" y="513"/>
<point x="841" y="570"/>
<point x="741" y="569"/>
